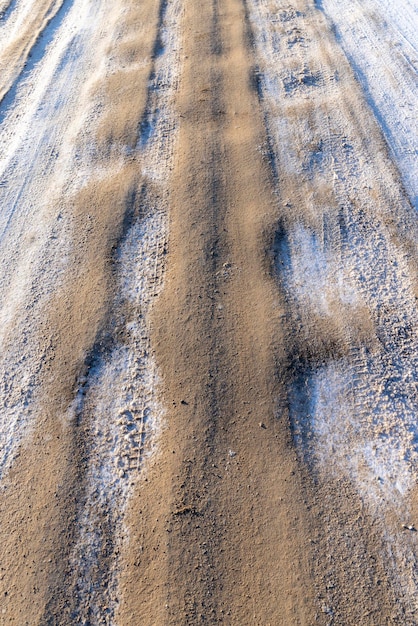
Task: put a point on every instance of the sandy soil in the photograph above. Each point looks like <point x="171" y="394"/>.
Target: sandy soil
<point x="208" y="253"/>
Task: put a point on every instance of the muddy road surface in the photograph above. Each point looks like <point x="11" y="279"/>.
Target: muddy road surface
<point x="208" y="307"/>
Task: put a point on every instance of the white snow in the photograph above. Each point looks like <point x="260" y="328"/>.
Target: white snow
<point x="359" y="412"/>
<point x="35" y="237"/>
<point x="348" y="244"/>
<point x="380" y="38"/>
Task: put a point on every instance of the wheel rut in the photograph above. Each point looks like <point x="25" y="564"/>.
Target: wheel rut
<point x="98" y="419"/>
<point x="223" y="505"/>
<point x="208" y="314"/>
<point x="339" y="233"/>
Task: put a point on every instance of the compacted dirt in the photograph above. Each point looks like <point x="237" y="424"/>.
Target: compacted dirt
<point x="226" y="535"/>
<point x="208" y="254"/>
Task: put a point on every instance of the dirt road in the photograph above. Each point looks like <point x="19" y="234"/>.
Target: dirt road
<point x="208" y="294"/>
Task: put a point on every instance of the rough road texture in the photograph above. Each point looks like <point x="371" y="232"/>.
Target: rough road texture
<point x="208" y="252"/>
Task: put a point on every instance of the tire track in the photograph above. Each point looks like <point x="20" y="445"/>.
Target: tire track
<point x="84" y="295"/>
<point x="28" y="37"/>
<point x="35" y="54"/>
<point x="34" y="235"/>
<point x="346" y="263"/>
<point x="220" y="524"/>
<point x="129" y="502"/>
<point x="385" y="63"/>
<point x="36" y="254"/>
<point x="116" y="401"/>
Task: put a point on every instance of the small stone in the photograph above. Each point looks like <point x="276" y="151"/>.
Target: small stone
<point x="232" y="454"/>
<point x="409" y="527"/>
<point x="262" y="425"/>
